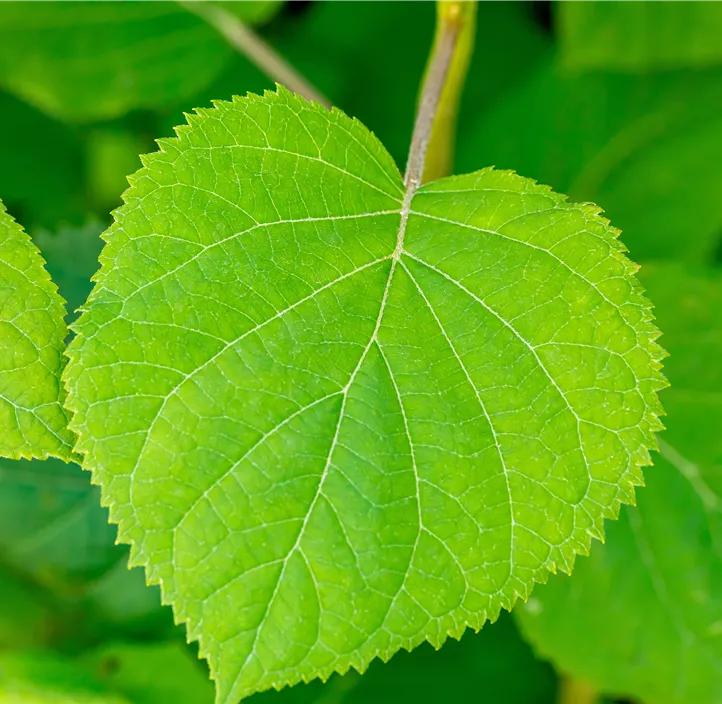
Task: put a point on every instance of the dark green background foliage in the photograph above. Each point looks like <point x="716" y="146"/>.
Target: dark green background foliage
<point x="617" y="105"/>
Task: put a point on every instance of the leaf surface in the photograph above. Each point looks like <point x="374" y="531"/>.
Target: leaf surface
<point x="335" y="418"/>
<point x="642" y="615"/>
<point x="85" y="60"/>
<point x="640" y="36"/>
<point x="32" y="333"/>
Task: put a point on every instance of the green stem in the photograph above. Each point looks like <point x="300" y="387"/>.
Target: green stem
<point x="442" y="87"/>
<point x="574" y="691"/>
<point x="248" y="43"/>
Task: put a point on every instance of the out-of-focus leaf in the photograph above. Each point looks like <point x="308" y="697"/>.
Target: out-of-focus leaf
<point x="33" y="422"/>
<point x="152" y="673"/>
<point x="643" y="615"/>
<point x="482" y="666"/>
<point x="52" y="526"/>
<point x="126" y="603"/>
<point x="39" y="678"/>
<point x="89" y="60"/>
<point x="640" y="36"/>
<point x="53" y="530"/>
<point x="113" y="154"/>
<point x="251" y="11"/>
<point x="646" y="148"/>
<point x="71" y="257"/>
<point x="41" y="165"/>
<point x="26" y="620"/>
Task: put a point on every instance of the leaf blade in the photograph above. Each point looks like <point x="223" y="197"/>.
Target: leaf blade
<point x="32" y="335"/>
<point x="309" y="250"/>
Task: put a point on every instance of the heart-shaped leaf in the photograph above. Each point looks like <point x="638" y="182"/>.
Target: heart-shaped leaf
<point x="335" y="417"/>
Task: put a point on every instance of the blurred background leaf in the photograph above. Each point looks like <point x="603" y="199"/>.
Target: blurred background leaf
<point x="85" y="60"/>
<point x="40" y="678"/>
<point x="647" y="148"/>
<point x="639" y="36"/>
<point x="42" y="174"/>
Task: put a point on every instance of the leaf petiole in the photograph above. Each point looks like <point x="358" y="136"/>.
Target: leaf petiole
<point x="432" y="143"/>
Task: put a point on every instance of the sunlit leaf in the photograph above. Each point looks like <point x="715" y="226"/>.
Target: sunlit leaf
<point x="32" y="335"/>
<point x="335" y="418"/>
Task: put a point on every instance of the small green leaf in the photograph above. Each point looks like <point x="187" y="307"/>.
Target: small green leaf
<point x="335" y="418"/>
<point x="642" y="616"/>
<point x="31" y="345"/>
<point x="640" y="36"/>
<point x="87" y="61"/>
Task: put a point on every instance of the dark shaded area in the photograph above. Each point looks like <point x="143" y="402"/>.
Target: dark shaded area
<point x="296" y="8"/>
<point x="541" y="13"/>
<point x="717" y="254"/>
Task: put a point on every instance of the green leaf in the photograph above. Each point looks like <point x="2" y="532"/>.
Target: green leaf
<point x="85" y="61"/>
<point x="26" y="621"/>
<point x="333" y="419"/>
<point x="640" y="36"/>
<point x="31" y="344"/>
<point x="251" y="11"/>
<point x="55" y="535"/>
<point x="38" y="678"/>
<point x="112" y="155"/>
<point x="151" y="673"/>
<point x="127" y="605"/>
<point x="52" y="526"/>
<point x="483" y="667"/>
<point x="645" y="146"/>
<point x="642" y="615"/>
